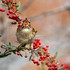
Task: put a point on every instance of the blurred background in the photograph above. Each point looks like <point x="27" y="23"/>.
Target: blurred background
<point x="51" y="18"/>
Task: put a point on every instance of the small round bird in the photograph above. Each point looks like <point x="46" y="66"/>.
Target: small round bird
<point x="25" y="33"/>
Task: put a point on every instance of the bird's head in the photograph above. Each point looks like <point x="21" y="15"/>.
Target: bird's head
<point x="26" y="22"/>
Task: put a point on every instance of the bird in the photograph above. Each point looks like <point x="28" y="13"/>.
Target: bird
<point x="25" y="34"/>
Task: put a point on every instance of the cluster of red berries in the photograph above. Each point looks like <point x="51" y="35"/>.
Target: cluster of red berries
<point x="12" y="11"/>
<point x="43" y="53"/>
<point x="66" y="66"/>
<point x="36" y="43"/>
<point x="14" y="17"/>
<point x="35" y="62"/>
<point x="52" y="66"/>
<point x="48" y="60"/>
<point x="43" y="56"/>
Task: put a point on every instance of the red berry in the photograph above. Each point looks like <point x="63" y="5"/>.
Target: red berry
<point x="2" y="10"/>
<point x="38" y="63"/>
<point x="36" y="43"/>
<point x="54" y="65"/>
<point x="14" y="23"/>
<point x="3" y="1"/>
<point x="41" y="57"/>
<point x="11" y="12"/>
<point x="40" y="43"/>
<point x="44" y="48"/>
<point x="19" y="23"/>
<point x="14" y="17"/>
<point x="47" y="55"/>
<point x="18" y="53"/>
<point x="32" y="59"/>
<point x="26" y="56"/>
<point x="40" y="54"/>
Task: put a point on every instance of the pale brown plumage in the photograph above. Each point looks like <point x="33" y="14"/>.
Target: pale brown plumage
<point x="25" y="34"/>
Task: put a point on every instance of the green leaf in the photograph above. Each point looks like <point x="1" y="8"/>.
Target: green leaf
<point x="8" y="45"/>
<point x="21" y="55"/>
<point x="55" y="54"/>
<point x="4" y="55"/>
<point x="36" y="53"/>
<point x="18" y="6"/>
<point x="30" y="57"/>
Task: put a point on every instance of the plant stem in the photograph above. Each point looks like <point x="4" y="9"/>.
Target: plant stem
<point x="43" y="66"/>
